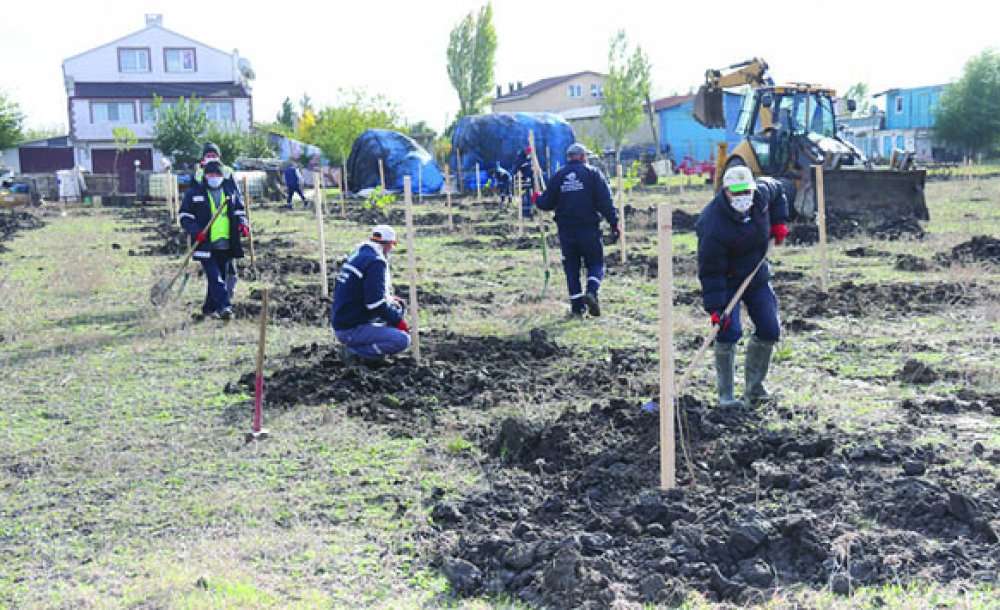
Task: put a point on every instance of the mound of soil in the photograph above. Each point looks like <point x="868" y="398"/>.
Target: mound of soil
<point x="16" y="220"/>
<point x="866" y="252"/>
<point x="165" y="239"/>
<point x="856" y="300"/>
<point x="646" y="265"/>
<point x="458" y="372"/>
<point x="396" y="215"/>
<point x="840" y="227"/>
<point x="287" y="305"/>
<point x="573" y="517"/>
<point x="270" y="265"/>
<point x="682" y="222"/>
<point x="909" y="262"/>
<point x="981" y="248"/>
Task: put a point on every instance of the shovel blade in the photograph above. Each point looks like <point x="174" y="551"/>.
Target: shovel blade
<point x="159" y="294"/>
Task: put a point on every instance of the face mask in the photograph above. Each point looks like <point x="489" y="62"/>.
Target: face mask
<point x="742" y="203"/>
<point x="214" y="182"/>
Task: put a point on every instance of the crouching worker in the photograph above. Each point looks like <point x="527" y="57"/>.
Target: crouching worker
<point x="366" y="317"/>
<point x="733" y="234"/>
<point x="219" y="243"/>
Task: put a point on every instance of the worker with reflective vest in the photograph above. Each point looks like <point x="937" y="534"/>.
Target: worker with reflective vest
<point x="734" y="230"/>
<point x="366" y="317"/>
<point x="580" y="197"/>
<point x="219" y="243"/>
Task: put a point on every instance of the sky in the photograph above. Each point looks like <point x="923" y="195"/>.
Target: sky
<point x="397" y="48"/>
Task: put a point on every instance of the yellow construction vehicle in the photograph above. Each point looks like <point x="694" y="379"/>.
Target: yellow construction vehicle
<point x="787" y="130"/>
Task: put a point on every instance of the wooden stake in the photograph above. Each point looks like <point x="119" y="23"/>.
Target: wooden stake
<point x="381" y="174"/>
<point x="824" y="278"/>
<point x="621" y="211"/>
<point x="256" y="430"/>
<point x="168" y="181"/>
<point x="479" y="190"/>
<point x="411" y="256"/>
<point x="246" y="206"/>
<point x="343" y="191"/>
<point x="666" y="284"/>
<point x="324" y="286"/>
<point x="447" y="194"/>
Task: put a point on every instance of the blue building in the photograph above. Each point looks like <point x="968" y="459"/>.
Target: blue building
<point x="685" y="136"/>
<point x="909" y="120"/>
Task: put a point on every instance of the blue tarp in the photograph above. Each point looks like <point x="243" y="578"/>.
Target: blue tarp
<point x="490" y="138"/>
<point x="401" y="156"/>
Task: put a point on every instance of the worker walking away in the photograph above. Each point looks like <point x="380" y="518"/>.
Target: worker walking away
<point x="734" y="230"/>
<point x="293" y="181"/>
<point x="501" y="182"/>
<point x="218" y="244"/>
<point x="525" y="168"/>
<point x="366" y="317"/>
<point x="579" y="195"/>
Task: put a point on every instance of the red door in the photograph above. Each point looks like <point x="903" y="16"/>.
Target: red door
<point x="104" y="163"/>
<point x="45" y="160"/>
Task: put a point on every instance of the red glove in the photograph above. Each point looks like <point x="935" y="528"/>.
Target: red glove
<point x="534" y="197"/>
<point x="245" y="230"/>
<point x="779" y="232"/>
<point x="721" y="321"/>
<point x="201" y="237"/>
<point x="403" y="326"/>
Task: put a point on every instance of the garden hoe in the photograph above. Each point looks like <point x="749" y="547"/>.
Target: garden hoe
<point x="159" y="294"/>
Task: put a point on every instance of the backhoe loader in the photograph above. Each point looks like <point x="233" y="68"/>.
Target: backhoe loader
<point x="786" y="130"/>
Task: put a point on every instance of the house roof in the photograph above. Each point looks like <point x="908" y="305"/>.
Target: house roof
<point x="894" y="89"/>
<point x="541" y="85"/>
<point x="54" y="142"/>
<point x="170" y="90"/>
<point x="148" y="27"/>
<point x="670" y="102"/>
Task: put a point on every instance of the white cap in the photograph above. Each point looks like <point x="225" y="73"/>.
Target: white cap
<point x="738" y="178"/>
<point x="383" y="233"/>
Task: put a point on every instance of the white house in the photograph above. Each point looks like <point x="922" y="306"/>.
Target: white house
<point x="115" y="84"/>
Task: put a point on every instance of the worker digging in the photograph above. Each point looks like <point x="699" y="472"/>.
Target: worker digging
<point x="367" y="318"/>
<point x="734" y="233"/>
<point x="580" y="197"/>
<point x="218" y="242"/>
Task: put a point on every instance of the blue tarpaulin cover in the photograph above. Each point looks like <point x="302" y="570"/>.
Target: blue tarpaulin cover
<point x="490" y="138"/>
<point x="401" y="156"/>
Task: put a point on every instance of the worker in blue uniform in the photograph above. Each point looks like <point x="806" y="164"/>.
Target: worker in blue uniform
<point x="580" y="197"/>
<point x="366" y="317"/>
<point x="734" y="231"/>
<point x="524" y="167"/>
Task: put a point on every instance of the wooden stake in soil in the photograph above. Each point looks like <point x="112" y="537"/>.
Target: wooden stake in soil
<point x="343" y="191"/>
<point x="447" y="195"/>
<point x="381" y="174"/>
<point x="479" y="189"/>
<point x="256" y="431"/>
<point x="411" y="256"/>
<point x="324" y="286"/>
<point x="824" y="277"/>
<point x="246" y="207"/>
<point x="666" y="283"/>
<point x="621" y="211"/>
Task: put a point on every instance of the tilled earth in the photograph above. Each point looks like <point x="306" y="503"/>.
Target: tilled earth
<point x="14" y="221"/>
<point x="573" y="517"/>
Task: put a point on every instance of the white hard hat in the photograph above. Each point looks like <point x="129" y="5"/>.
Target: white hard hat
<point x="738" y="178"/>
<point x="383" y="233"/>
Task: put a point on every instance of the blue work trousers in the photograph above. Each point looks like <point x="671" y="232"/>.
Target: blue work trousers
<point x="762" y="305"/>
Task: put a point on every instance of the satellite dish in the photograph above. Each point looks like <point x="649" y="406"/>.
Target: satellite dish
<point x="246" y="69"/>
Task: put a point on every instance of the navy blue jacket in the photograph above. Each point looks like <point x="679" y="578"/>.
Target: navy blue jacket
<point x="363" y="294"/>
<point x="291" y="177"/>
<point x="730" y="245"/>
<point x="579" y="194"/>
<point x="196" y="211"/>
<point x="524" y="167"/>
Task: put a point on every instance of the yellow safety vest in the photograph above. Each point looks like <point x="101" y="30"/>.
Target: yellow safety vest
<point x="220" y="228"/>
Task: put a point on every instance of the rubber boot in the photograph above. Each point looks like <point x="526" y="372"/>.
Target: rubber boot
<point x="757" y="364"/>
<point x="725" y="371"/>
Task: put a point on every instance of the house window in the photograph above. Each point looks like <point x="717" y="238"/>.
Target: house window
<point x="133" y="60"/>
<point x="575" y="91"/>
<point x="596" y="91"/>
<point x="150" y="114"/>
<point x="221" y="112"/>
<point x="112" y="112"/>
<point x="899" y="104"/>
<point x="179" y="60"/>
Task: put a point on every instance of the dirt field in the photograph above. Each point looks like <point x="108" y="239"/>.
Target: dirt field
<point x="514" y="467"/>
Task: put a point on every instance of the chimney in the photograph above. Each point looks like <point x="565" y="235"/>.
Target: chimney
<point x="499" y="90"/>
<point x="520" y="85"/>
<point x="154" y="19"/>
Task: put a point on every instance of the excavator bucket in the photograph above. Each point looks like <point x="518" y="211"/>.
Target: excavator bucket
<point x="871" y="196"/>
<point x="708" y="107"/>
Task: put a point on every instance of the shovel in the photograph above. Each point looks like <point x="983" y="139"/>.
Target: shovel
<point x="159" y="294"/>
